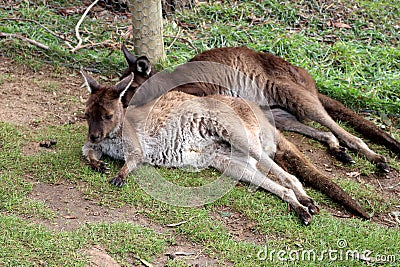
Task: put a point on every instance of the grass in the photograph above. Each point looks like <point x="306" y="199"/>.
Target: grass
<point x="35" y="245"/>
<point x="358" y="65"/>
<point x="122" y="240"/>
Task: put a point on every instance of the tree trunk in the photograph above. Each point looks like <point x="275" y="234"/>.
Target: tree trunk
<point x="147" y="29"/>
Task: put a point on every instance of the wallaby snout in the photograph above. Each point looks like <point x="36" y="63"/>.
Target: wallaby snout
<point x="96" y="130"/>
<point x="95" y="137"/>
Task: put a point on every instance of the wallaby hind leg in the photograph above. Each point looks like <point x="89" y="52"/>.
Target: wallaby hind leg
<point x="288" y="122"/>
<point x="351" y="141"/>
<point x="308" y="106"/>
<point x="339" y="112"/>
<point x="243" y="171"/>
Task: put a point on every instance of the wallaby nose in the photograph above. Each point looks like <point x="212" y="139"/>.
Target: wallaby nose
<point x="94" y="137"/>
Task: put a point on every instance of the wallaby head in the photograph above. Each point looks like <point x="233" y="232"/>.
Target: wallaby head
<point x="104" y="110"/>
<point x="140" y="67"/>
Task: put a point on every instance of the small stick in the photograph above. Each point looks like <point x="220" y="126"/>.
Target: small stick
<point x="145" y="263"/>
<point x="78" y="36"/>
<point x="176" y="37"/>
<point x="17" y="36"/>
<point x="392" y="186"/>
<point x="105" y="43"/>
<point x="179" y="223"/>
<point x="183" y="39"/>
<point x="341" y="215"/>
<point x="64" y="38"/>
<point x="379" y="184"/>
<point x="176" y="224"/>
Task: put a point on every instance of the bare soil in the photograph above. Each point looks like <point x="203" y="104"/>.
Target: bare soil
<point x="35" y="99"/>
<point x="49" y="97"/>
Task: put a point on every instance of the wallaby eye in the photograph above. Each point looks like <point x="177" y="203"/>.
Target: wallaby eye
<point x="108" y="117"/>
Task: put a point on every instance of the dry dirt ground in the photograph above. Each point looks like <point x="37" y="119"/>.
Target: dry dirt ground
<point x="47" y="97"/>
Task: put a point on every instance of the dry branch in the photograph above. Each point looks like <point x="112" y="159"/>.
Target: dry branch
<point x="176" y="38"/>
<point x="78" y="36"/>
<point x="64" y="38"/>
<point x="17" y="36"/>
<point x="106" y="43"/>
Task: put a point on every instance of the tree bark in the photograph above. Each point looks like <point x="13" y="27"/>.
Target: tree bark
<point x="147" y="29"/>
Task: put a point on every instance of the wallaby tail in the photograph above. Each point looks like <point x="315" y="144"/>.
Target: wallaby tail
<point x="287" y="154"/>
<point x="339" y="112"/>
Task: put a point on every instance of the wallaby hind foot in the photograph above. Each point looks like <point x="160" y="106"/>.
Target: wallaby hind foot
<point x="341" y="155"/>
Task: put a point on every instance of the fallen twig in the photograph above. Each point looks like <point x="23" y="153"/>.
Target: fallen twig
<point x="17" y="36"/>
<point x="179" y="223"/>
<point x="64" y="38"/>
<point x="392" y="186"/>
<point x="78" y="36"/>
<point x="390" y="221"/>
<point x="104" y="43"/>
<point x="185" y="40"/>
<point x="341" y="215"/>
<point x="144" y="262"/>
<point x="173" y="255"/>
<point x="176" y="37"/>
<point x="176" y="224"/>
<point x="379" y="183"/>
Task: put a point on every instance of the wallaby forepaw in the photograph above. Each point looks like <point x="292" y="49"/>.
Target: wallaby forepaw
<point x="118" y="181"/>
<point x="99" y="166"/>
<point x="341" y="155"/>
<point x="383" y="167"/>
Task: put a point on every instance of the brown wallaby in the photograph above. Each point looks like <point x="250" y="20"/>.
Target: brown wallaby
<point x="180" y="130"/>
<point x="292" y="95"/>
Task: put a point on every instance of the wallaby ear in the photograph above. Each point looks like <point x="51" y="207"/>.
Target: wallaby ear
<point x="91" y="84"/>
<point x="122" y="86"/>
<point x="131" y="59"/>
<point x="143" y="66"/>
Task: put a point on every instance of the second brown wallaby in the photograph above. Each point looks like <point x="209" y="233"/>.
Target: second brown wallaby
<point x="179" y="130"/>
<point x="292" y="95"/>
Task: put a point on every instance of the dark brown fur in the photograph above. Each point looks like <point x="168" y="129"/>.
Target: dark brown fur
<point x="290" y="157"/>
<point x="292" y="90"/>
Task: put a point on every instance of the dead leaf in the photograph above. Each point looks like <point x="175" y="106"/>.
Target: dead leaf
<point x="353" y="174"/>
<point x="341" y="25"/>
<point x="70" y="217"/>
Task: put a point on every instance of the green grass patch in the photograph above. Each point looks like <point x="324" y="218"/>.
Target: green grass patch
<point x="24" y="244"/>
